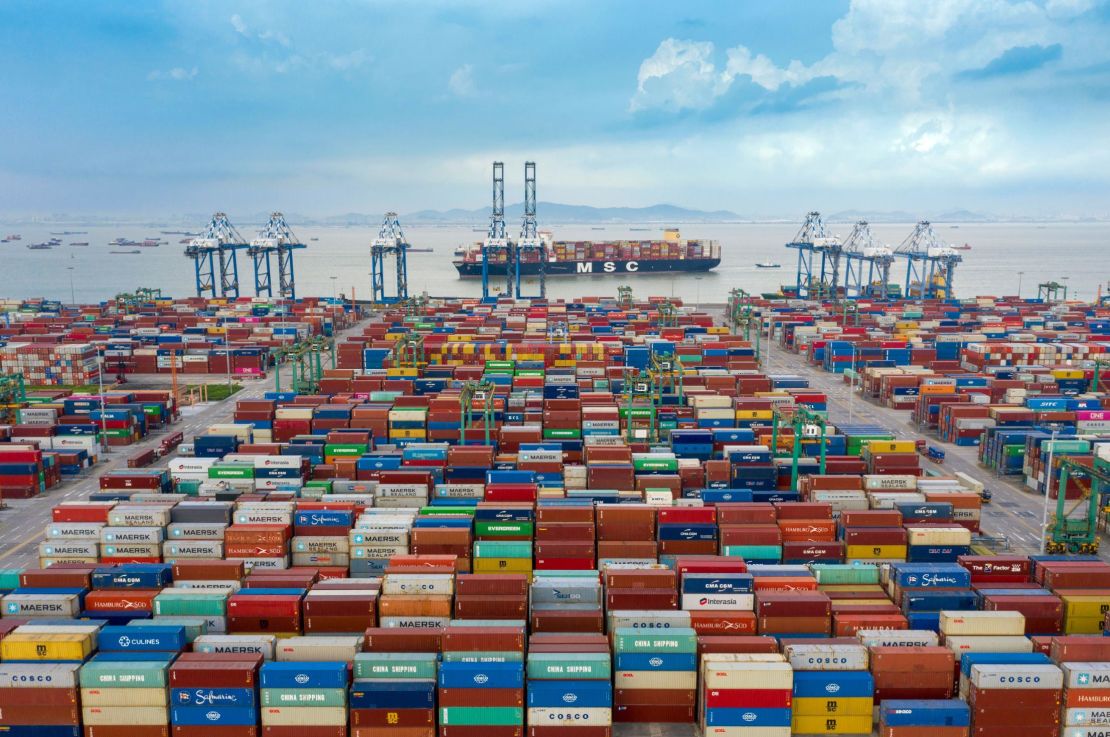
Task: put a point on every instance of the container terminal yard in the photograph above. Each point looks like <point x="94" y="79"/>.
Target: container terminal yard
<point x="828" y="510"/>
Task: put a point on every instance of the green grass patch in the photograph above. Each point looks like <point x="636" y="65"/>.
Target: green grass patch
<point x="218" y="392"/>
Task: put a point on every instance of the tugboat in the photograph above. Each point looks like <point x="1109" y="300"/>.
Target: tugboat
<point x="767" y="265"/>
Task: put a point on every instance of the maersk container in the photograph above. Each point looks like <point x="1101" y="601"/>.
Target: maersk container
<point x="246" y="644"/>
<point x="41" y="605"/>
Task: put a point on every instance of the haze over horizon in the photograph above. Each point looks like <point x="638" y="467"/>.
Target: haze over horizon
<point x="761" y="109"/>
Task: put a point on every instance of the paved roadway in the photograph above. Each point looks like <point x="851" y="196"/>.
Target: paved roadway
<point x="23" y="522"/>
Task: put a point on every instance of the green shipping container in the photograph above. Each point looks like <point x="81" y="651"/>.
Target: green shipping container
<point x="676" y="640"/>
<point x="347" y="450"/>
<point x="206" y="604"/>
<point x="562" y="433"/>
<point x="576" y="665"/>
<point x="832" y="573"/>
<point x="481" y="716"/>
<point x="232" y="471"/>
<point x="459" y="656"/>
<point x="384" y="396"/>
<point x="395" y="665"/>
<point x="754" y="552"/>
<point x="121" y="674"/>
<point x="495" y="528"/>
<point x="9" y="578"/>
<point x="304" y="697"/>
<point x="194" y="626"/>
<point x="655" y="464"/>
<point x="440" y="511"/>
<point x="503" y="549"/>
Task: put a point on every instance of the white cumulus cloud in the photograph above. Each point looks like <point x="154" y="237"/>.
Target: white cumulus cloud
<point x="679" y="75"/>
<point x="238" y="24"/>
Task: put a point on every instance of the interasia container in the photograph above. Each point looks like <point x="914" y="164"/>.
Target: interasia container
<point x="317" y="648"/>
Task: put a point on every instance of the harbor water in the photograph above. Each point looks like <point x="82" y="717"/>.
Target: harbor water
<point x="1073" y="253"/>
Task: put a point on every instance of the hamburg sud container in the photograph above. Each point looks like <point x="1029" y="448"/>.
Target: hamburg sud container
<point x="119" y="696"/>
<point x="214" y="691"/>
<point x="40" y="699"/>
<point x="1015" y="700"/>
<point x="307" y="698"/>
<point x="745" y="694"/>
<point x="655" y="694"/>
<point x="393" y="693"/>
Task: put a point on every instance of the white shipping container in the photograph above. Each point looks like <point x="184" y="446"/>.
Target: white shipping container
<point x="961" y="644"/>
<point x="1086" y="675"/>
<point x="878" y="482"/>
<point x="271" y="564"/>
<point x="127" y="550"/>
<point x="648" y="620"/>
<point x="330" y="544"/>
<point x="747" y="675"/>
<point x="1082" y="717"/>
<point x="193" y="549"/>
<point x="827" y="657"/>
<point x="196" y="531"/>
<point x="640" y="679"/>
<point x="236" y="644"/>
<point x="122" y="535"/>
<point x="39" y="675"/>
<point x="569" y="717"/>
<point x="994" y="676"/>
<point x="69" y="548"/>
<point x="105" y="716"/>
<point x="419" y="584"/>
<point x="304" y="716"/>
<point x="938" y="535"/>
<point x="146" y="516"/>
<point x="74" y="531"/>
<point x="718" y="602"/>
<point x="228" y="587"/>
<point x="982" y="623"/>
<point x="131" y="697"/>
<point x="302" y="649"/>
<point x="897" y="638"/>
<point x="414" y="623"/>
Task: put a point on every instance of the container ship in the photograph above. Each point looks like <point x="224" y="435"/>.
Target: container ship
<point x="571" y="258"/>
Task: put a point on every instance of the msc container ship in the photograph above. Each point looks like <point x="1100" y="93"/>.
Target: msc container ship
<point x="571" y="258"/>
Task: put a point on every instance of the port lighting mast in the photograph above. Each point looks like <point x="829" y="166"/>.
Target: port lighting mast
<point x="530" y="240"/>
<point x="866" y="264"/>
<point x="930" y="263"/>
<point x="497" y="242"/>
<point x="812" y="242"/>
<point x="390" y="242"/>
<point x="275" y="239"/>
<point x="219" y="241"/>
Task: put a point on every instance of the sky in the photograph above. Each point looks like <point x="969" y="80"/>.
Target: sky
<point x="163" y="107"/>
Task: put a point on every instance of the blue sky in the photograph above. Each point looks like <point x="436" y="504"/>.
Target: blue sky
<point x="758" y="107"/>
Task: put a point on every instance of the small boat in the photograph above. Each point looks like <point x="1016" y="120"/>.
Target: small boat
<point x="421" y="250"/>
<point x="964" y="247"/>
<point x="314" y="239"/>
<point x="79" y="243"/>
<point x="39" y="246"/>
<point x="149" y="243"/>
<point x="13" y="237"/>
<point x="598" y="227"/>
<point x="768" y="265"/>
<point x="126" y="252"/>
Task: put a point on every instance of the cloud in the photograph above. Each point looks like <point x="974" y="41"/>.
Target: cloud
<point x="238" y="24"/>
<point x="679" y="75"/>
<point x="461" y="82"/>
<point x="176" y="74"/>
<point x="1017" y="60"/>
<point x="350" y="60"/>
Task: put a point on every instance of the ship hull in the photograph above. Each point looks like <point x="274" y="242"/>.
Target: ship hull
<point x="593" y="268"/>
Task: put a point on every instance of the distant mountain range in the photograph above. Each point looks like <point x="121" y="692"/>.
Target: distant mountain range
<point x="559" y="213"/>
<point x="901" y="216"/>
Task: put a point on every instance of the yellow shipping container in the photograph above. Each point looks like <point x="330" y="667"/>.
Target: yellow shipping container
<point x="457" y="338"/>
<point x="401" y="372"/>
<point x="1083" y="606"/>
<point x="22" y="646"/>
<point x="408" y="434"/>
<point x="1083" y="625"/>
<point x="821" y="707"/>
<point x="1067" y="373"/>
<point x="891" y="446"/>
<point x="831" y="725"/>
<point x="502" y="565"/>
<point x="754" y="414"/>
<point x="876" y="552"/>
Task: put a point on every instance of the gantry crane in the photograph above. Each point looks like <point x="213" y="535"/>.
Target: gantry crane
<point x="741" y="317"/>
<point x="497" y="242"/>
<point x="816" y="279"/>
<point x="624" y="298"/>
<point x="866" y="264"/>
<point x="805" y="423"/>
<point x="408" y="351"/>
<point x="306" y="361"/>
<point x="668" y="314"/>
<point x="530" y="242"/>
<point x="219" y="241"/>
<point x="1067" y="533"/>
<point x="128" y="301"/>
<point x="13" y="394"/>
<point x="930" y="263"/>
<point x="275" y="239"/>
<point x="1052" y="291"/>
<point x="477" y="396"/>
<point x="390" y="242"/>
<point x="640" y="399"/>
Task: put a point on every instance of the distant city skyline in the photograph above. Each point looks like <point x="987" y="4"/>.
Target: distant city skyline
<point x="762" y="109"/>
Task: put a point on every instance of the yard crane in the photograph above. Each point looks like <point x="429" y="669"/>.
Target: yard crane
<point x="741" y="317"/>
<point x="477" y="396"/>
<point x="866" y="264"/>
<point x="390" y="242"/>
<point x="275" y="239"/>
<point x="816" y="279"/>
<point x="624" y="298"/>
<point x="1067" y="533"/>
<point x="805" y="423"/>
<point x="306" y="362"/>
<point x="1052" y="291"/>
<point x="531" y="243"/>
<point x="497" y="243"/>
<point x="930" y="263"/>
<point x="219" y="241"/>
